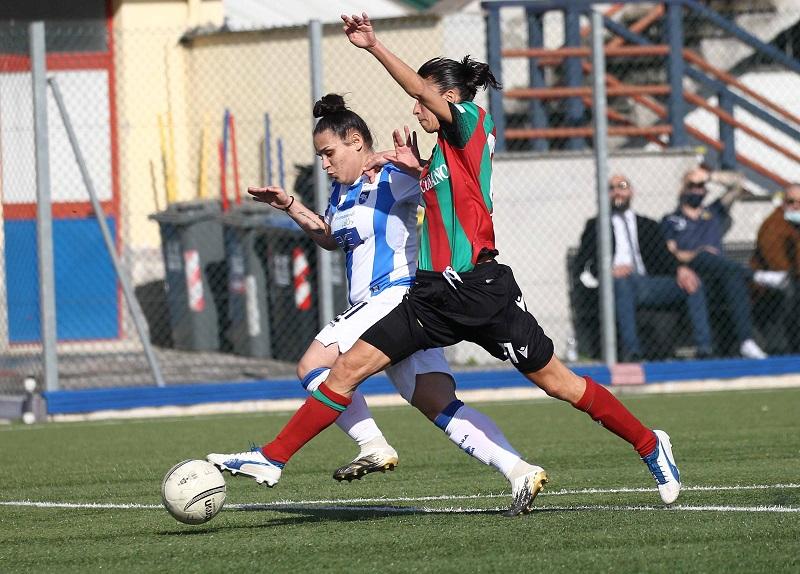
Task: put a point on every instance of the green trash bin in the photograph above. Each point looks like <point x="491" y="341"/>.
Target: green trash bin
<point x="273" y="295"/>
<point x="292" y="291"/>
<point x="194" y="264"/>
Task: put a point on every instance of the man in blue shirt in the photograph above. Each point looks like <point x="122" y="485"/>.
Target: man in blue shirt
<point x="694" y="235"/>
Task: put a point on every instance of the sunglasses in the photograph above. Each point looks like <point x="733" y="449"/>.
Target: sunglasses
<point x="791" y="201"/>
<point x="696" y="184"/>
<point x="619" y="185"/>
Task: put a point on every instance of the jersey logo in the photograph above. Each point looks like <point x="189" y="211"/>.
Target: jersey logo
<point x="508" y="348"/>
<point x="364" y="196"/>
<point x="434" y="176"/>
<point x="347" y="238"/>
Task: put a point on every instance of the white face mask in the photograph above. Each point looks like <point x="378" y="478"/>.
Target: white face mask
<point x="792" y="216"/>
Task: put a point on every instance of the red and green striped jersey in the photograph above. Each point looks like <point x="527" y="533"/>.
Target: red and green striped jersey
<point x="457" y="192"/>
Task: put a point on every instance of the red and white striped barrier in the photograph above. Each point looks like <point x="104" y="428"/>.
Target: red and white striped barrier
<point x="194" y="280"/>
<point x="300" y="273"/>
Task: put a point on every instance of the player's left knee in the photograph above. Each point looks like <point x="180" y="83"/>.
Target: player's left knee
<point x="433" y="392"/>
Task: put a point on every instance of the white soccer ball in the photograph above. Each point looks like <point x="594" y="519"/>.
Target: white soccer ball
<point x="193" y="491"/>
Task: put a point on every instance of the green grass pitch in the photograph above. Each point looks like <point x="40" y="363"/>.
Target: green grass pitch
<point x="739" y="454"/>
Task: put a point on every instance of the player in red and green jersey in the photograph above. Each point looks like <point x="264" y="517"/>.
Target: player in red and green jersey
<point x="461" y="292"/>
<point x="457" y="193"/>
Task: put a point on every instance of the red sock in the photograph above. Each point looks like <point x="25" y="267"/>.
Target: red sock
<point x="319" y="412"/>
<point x="606" y="409"/>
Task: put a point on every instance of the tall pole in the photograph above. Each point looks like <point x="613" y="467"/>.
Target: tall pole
<point x="607" y="312"/>
<point x="44" y="214"/>
<point x="673" y="28"/>
<point x="536" y="76"/>
<point x="324" y="272"/>
<point x="494" y="46"/>
<point x="573" y="73"/>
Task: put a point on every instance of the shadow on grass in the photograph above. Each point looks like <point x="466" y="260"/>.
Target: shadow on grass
<point x="306" y="515"/>
<point x="311" y="514"/>
<point x="349" y="513"/>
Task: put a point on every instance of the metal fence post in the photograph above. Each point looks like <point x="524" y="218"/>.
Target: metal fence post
<point x="536" y="77"/>
<point x="607" y="308"/>
<point x="324" y="271"/>
<point x="493" y="47"/>
<point x="44" y="214"/>
<point x="675" y="69"/>
<point x="727" y="132"/>
<point x="573" y="73"/>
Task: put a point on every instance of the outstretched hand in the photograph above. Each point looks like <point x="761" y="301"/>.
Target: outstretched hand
<point x="273" y="195"/>
<point x="406" y="152"/>
<point x="359" y="30"/>
<point x="405" y="156"/>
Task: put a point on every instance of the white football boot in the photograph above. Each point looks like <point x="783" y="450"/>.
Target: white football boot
<point x="663" y="468"/>
<point x="251" y="463"/>
<point x="524" y="491"/>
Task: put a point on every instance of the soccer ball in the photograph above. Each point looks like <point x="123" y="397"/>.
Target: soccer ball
<point x="193" y="491"/>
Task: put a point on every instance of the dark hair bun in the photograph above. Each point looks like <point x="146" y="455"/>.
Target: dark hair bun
<point x="328" y="105"/>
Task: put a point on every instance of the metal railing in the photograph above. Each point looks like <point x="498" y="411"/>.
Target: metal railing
<point x="631" y="42"/>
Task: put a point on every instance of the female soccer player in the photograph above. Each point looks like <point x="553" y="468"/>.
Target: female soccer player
<point x="461" y="292"/>
<point x="374" y="223"/>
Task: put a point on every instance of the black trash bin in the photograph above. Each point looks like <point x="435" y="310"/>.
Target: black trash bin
<point x="194" y="264"/>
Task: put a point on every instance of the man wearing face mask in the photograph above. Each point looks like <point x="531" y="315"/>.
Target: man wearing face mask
<point x="777" y="261"/>
<point x="694" y="235"/>
<point x="645" y="273"/>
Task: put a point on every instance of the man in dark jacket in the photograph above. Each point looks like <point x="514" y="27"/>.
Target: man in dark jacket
<point x="645" y="273"/>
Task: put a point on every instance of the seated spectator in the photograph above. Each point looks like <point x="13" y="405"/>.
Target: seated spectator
<point x="694" y="235"/>
<point x="776" y="262"/>
<point x="645" y="273"/>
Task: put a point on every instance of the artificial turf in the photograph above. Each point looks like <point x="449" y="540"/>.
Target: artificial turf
<point x="437" y="513"/>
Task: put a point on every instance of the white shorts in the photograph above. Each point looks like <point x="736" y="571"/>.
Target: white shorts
<point x="348" y="326"/>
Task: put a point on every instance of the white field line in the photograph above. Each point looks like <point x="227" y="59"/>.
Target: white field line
<point x="340" y="504"/>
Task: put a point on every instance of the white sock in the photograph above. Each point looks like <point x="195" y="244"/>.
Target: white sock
<point x="478" y="436"/>
<point x="356" y="420"/>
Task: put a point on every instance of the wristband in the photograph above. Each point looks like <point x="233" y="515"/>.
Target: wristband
<point x="286" y="209"/>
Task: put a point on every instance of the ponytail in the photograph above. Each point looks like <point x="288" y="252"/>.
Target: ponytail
<point x="466" y="76"/>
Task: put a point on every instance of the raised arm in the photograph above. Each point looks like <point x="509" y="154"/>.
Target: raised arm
<point x="733" y="183"/>
<point x="312" y="223"/>
<point x="361" y="34"/>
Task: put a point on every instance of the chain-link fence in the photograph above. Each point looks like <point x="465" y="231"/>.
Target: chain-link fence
<point x="174" y="122"/>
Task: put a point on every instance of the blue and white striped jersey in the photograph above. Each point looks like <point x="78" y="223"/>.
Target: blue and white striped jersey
<point x="375" y="225"/>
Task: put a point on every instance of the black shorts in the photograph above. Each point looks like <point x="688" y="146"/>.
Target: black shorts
<point x="485" y="307"/>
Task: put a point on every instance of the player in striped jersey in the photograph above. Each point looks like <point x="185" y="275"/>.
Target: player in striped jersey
<point x="374" y="222"/>
<point x="461" y="292"/>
